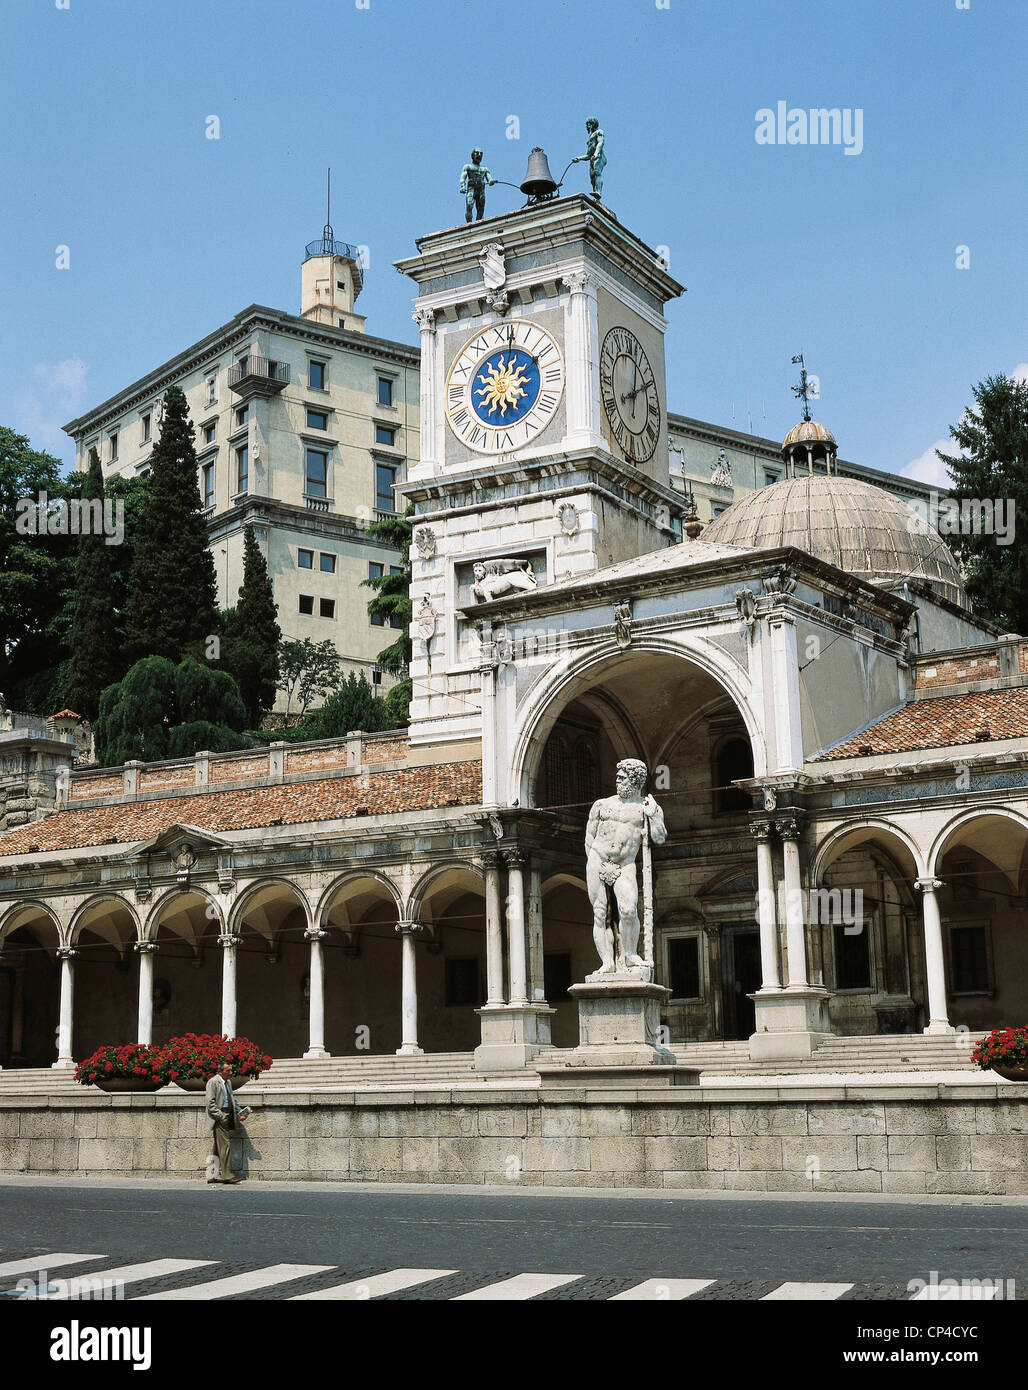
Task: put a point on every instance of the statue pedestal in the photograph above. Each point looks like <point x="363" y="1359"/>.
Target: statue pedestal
<point x="619" y="1023"/>
<point x="512" y="1035"/>
<point x="791" y="1023"/>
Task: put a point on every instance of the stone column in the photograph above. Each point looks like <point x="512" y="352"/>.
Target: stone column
<point x="795" y="916"/>
<point x="146" y="950"/>
<point x="536" y="946"/>
<point x="429" y="423"/>
<point x="493" y="928"/>
<point x="228" y="943"/>
<point x="66" y="955"/>
<point x="935" y="965"/>
<point x="767" y="916"/>
<point x="516" y="942"/>
<point x="409" y="993"/>
<point x="582" y="351"/>
<point x="788" y="743"/>
<point x="316" y="1047"/>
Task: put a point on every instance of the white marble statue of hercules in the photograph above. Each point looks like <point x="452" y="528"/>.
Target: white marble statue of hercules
<point x="612" y="841"/>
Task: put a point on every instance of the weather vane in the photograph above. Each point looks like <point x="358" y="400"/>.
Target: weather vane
<point x="807" y="390"/>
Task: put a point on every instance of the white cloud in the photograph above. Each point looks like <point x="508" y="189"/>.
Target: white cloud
<point x="1020" y="372"/>
<point x="53" y="393"/>
<point x="929" y="468"/>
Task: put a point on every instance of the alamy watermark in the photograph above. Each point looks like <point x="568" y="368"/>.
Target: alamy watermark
<point x="92" y="516"/>
<point x="964" y="516"/>
<point x="819" y="125"/>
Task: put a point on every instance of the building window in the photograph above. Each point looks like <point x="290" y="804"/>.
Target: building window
<point x="317" y="420"/>
<point x="307" y="604"/>
<point x="384" y="434"/>
<point x="734" y="759"/>
<point x="462" y="981"/>
<point x="385" y="390"/>
<point x="556" y="975"/>
<point x="717" y="509"/>
<point x="305" y="559"/>
<point x="969" y="953"/>
<point x="327" y="607"/>
<point x="770" y="478"/>
<point x="683" y="967"/>
<point x="385" y="500"/>
<point x="210" y="389"/>
<point x="146" y="429"/>
<point x="328" y="563"/>
<point x="317" y="373"/>
<point x="208" y="486"/>
<point x="317" y="473"/>
<point x="242" y="468"/>
<point x="242" y="415"/>
<point x="112" y="445"/>
<point x="853" y="956"/>
<point x="210" y="432"/>
<point x="376" y="571"/>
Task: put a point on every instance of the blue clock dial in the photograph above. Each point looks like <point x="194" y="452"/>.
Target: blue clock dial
<point x="506" y="387"/>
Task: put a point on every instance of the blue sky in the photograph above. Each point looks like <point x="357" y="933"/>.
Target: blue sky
<point x="850" y="259"/>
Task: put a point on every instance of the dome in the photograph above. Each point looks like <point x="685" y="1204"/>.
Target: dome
<point x="864" y="530"/>
<point x="808" y="432"/>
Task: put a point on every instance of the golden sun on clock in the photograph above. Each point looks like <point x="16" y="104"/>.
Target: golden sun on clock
<point x="629" y="392"/>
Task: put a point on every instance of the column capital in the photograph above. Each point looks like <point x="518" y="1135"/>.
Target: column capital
<point x="408" y="928"/>
<point x="67" y="952"/>
<point x="761" y="830"/>
<point x="145" y="948"/>
<point x="315" y="934"/>
<point x="514" y="858"/>
<point x="928" y="885"/>
<point x="425" y="319"/>
<point x="578" y="281"/>
<point x="228" y="939"/>
<point x="491" y="858"/>
<point x="789" y="828"/>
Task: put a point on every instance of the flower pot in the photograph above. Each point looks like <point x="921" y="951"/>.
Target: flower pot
<point x="194" y="1083"/>
<point x="127" y="1083"/>
<point x="1012" y="1073"/>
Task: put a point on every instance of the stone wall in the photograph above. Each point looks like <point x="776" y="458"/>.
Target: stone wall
<point x="929" y="1138"/>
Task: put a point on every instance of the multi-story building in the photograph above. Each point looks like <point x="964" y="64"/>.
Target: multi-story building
<point x="304" y="424"/>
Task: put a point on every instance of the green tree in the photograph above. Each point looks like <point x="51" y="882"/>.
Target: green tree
<point x="308" y="670"/>
<point x="36" y="568"/>
<point x="172" y="602"/>
<point x="353" y="705"/>
<point x="252" y="634"/>
<point x="95" y="645"/>
<point x="392" y="602"/>
<point x="993" y="464"/>
<point x="136" y="713"/>
<point x="205" y="695"/>
<point x="397" y="705"/>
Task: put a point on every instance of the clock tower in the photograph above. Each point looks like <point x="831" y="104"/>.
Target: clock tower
<point x="543" y="426"/>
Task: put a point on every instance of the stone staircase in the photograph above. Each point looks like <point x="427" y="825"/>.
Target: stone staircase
<point x="891" y="1053"/>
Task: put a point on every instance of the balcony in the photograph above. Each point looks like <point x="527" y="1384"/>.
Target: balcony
<point x="254" y="375"/>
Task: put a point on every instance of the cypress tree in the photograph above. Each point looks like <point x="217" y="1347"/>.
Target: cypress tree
<point x="95" y="648"/>
<point x="172" y="604"/>
<point x="253" y="634"/>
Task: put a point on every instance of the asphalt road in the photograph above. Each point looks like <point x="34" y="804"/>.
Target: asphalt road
<point x="746" y="1247"/>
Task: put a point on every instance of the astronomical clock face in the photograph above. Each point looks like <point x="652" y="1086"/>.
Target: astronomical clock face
<point x="504" y="387"/>
<point x="629" y="394"/>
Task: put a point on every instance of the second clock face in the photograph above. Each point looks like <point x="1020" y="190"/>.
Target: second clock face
<point x="504" y="387"/>
<point x="629" y="392"/>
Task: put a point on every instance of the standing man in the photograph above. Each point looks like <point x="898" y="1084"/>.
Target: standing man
<point x="473" y="180"/>
<point x="612" y="840"/>
<point x="221" y="1107"/>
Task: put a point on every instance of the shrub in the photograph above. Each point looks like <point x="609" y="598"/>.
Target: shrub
<point x="197" y="1056"/>
<point x="130" y="1060"/>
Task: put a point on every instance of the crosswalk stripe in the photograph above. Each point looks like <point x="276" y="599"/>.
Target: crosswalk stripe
<point x="817" y="1291"/>
<point x="520" y="1287"/>
<point x="239" y="1283"/>
<point x="135" y="1274"/>
<point x="376" y="1284"/>
<point x="38" y="1263"/>
<point x="662" y="1289"/>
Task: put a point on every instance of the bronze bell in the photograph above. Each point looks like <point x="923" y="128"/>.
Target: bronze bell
<point x="538" y="182"/>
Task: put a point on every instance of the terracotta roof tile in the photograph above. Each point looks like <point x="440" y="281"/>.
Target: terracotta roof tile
<point x="980" y="717"/>
<point x="338" y="798"/>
